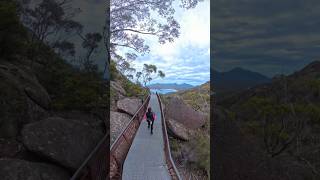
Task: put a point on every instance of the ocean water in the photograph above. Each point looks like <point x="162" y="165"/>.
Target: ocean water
<point x="163" y="91"/>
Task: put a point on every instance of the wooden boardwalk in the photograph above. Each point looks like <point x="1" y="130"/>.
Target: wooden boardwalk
<point x="146" y="159"/>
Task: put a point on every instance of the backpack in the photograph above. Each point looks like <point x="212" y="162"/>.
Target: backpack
<point x="151" y="116"/>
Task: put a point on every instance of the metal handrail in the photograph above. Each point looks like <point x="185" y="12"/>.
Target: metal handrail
<point x="96" y="166"/>
<point x="82" y="172"/>
<point x="174" y="173"/>
<point x="136" y="113"/>
<point x="122" y="144"/>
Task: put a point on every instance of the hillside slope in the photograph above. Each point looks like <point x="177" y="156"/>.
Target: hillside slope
<point x="190" y="144"/>
<point x="236" y="79"/>
<point x="125" y="98"/>
<point x="280" y="120"/>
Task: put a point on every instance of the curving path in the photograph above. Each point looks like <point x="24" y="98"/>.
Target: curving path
<point x="146" y="159"/>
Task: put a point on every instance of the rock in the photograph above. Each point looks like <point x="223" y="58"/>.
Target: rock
<point x="22" y="99"/>
<point x="177" y="129"/>
<point x="176" y="109"/>
<point x="94" y="120"/>
<point x="41" y="99"/>
<point x="67" y="142"/>
<point x="117" y="87"/>
<point x="15" y="169"/>
<point x="118" y="121"/>
<point x="129" y="105"/>
<point x="116" y="93"/>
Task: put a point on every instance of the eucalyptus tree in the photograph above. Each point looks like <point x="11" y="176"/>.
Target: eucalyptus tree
<point x="148" y="73"/>
<point x="50" y="22"/>
<point x="50" y="17"/>
<point x="90" y="44"/>
<point x="131" y="20"/>
<point x="64" y="48"/>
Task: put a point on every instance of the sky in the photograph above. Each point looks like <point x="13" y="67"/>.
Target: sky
<point x="187" y="59"/>
<point x="92" y="17"/>
<point x="266" y="36"/>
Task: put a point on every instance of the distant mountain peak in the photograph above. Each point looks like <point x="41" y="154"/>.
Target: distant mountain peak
<point x="312" y="67"/>
<point x="175" y="86"/>
<point x="237" y="79"/>
<point x="238" y="69"/>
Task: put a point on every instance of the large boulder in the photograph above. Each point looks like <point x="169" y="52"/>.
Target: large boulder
<point x="178" y="110"/>
<point x="65" y="141"/>
<point x="15" y="169"/>
<point x="177" y="129"/>
<point x="129" y="105"/>
<point x="22" y="99"/>
<point x="118" y="121"/>
<point x="94" y="120"/>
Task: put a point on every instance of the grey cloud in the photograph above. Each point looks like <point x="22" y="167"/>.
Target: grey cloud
<point x="265" y="33"/>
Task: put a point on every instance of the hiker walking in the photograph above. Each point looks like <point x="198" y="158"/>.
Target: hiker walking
<point x="151" y="116"/>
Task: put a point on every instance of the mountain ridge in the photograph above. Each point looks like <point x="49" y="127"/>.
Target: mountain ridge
<point x="175" y="86"/>
<point x="272" y="117"/>
<point x="237" y="79"/>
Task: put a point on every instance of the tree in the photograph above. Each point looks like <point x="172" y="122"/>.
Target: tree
<point x="64" y="48"/>
<point x="90" y="43"/>
<point x="148" y="72"/>
<point x="50" y="17"/>
<point x="47" y="19"/>
<point x="138" y="76"/>
<point x="126" y="69"/>
<point x="161" y="74"/>
<point x="130" y="20"/>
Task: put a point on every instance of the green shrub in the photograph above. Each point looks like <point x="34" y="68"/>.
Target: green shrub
<point x="174" y="145"/>
<point x="133" y="89"/>
<point x="68" y="86"/>
<point x="201" y="143"/>
<point x="113" y="71"/>
<point x="79" y="90"/>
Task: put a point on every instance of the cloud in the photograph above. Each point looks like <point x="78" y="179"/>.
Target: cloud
<point x="187" y="59"/>
<point x="267" y="36"/>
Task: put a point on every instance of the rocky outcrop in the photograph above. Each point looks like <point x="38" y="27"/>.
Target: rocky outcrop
<point x="14" y="169"/>
<point x="118" y="88"/>
<point x="65" y="141"/>
<point x="176" y="109"/>
<point x="22" y="99"/>
<point x="129" y="105"/>
<point x="177" y="129"/>
<point x="119" y="122"/>
<point x="94" y="120"/>
<point x="116" y="92"/>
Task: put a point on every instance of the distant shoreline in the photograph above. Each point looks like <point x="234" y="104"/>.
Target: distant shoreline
<point x="163" y="91"/>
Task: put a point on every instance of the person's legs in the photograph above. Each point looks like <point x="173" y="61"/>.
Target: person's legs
<point x="148" y="123"/>
<point x="151" y="127"/>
